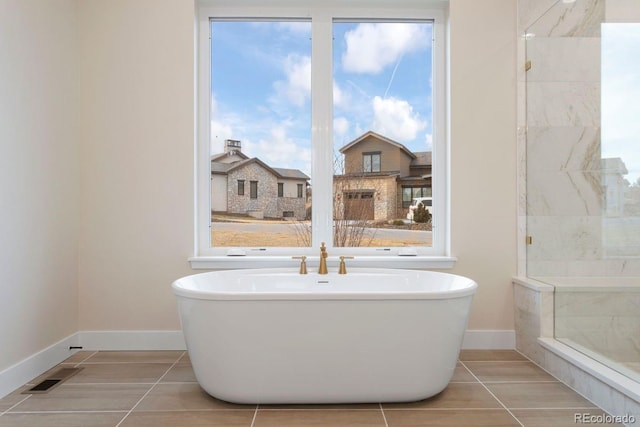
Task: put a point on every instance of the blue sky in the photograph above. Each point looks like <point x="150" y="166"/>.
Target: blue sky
<point x="261" y="78"/>
<point x="620" y="95"/>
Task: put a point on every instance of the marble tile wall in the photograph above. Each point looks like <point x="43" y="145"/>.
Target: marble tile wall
<point x="534" y="302"/>
<point x="602" y="321"/>
<point x="533" y="318"/>
<point x="563" y="138"/>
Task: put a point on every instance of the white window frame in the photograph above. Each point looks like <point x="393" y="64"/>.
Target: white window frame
<point x="322" y="15"/>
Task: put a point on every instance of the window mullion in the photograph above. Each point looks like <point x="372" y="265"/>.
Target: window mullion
<point x="322" y="129"/>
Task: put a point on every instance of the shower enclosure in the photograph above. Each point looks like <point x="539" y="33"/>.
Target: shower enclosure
<point x="583" y="174"/>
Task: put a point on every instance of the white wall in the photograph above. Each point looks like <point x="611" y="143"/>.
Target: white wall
<point x="137" y="135"/>
<point x="483" y="154"/>
<point x="622" y="11"/>
<point x="39" y="177"/>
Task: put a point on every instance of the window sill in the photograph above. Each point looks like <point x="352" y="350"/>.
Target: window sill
<point x="246" y="262"/>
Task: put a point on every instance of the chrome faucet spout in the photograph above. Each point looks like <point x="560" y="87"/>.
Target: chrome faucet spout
<point x="323" y="260"/>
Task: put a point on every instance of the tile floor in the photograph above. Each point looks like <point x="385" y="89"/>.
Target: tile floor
<point x="489" y="388"/>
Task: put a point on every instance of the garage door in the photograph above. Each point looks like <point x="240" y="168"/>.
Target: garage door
<point x="358" y="205"/>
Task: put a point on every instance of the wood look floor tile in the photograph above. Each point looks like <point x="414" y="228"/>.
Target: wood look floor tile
<point x="13" y="398"/>
<point x="80" y="397"/>
<point x="537" y="395"/>
<point x="456" y="395"/>
<point x="78" y="357"/>
<point x="462" y="374"/>
<point x="450" y="418"/>
<point x="120" y="373"/>
<point x="180" y="373"/>
<point x="323" y="406"/>
<point x="71" y="419"/>
<point x="189" y="419"/>
<point x="490" y="355"/>
<point x="555" y="417"/>
<point x="508" y="371"/>
<point x="324" y="418"/>
<point x="135" y="357"/>
<point x="184" y="397"/>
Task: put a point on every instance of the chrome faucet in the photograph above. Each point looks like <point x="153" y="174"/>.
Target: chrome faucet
<point x="323" y="260"/>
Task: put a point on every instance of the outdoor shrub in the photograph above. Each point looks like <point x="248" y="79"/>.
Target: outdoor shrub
<point x="421" y="214"/>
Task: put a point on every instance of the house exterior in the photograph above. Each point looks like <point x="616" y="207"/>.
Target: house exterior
<point x="380" y="177"/>
<point x="243" y="185"/>
<point x="613" y="186"/>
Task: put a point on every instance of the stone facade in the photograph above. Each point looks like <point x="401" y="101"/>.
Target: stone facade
<point x="267" y="190"/>
<point x="384" y="189"/>
<point x="295" y="205"/>
<point x="267" y="200"/>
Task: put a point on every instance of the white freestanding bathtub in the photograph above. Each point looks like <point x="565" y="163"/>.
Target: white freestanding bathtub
<point x="275" y="336"/>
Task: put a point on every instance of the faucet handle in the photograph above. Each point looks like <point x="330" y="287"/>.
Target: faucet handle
<point x="303" y="263"/>
<point x="343" y="267"/>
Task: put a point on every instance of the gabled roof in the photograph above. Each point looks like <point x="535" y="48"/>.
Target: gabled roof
<point x="423" y="158"/>
<point x="220" y="168"/>
<point x="225" y="168"/>
<point x="291" y="173"/>
<point x="381" y="138"/>
<point x="247" y="162"/>
<point x="217" y="157"/>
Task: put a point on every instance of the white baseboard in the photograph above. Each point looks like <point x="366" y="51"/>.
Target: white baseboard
<point x="22" y="372"/>
<point x="489" y="340"/>
<point x="132" y="340"/>
<point x="174" y="340"/>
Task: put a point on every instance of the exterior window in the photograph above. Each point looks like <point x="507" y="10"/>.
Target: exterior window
<point x="387" y="65"/>
<point x="410" y="193"/>
<point x="371" y="90"/>
<point x="370" y="162"/>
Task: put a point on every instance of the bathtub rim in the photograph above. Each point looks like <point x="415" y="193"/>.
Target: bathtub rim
<point x="323" y="294"/>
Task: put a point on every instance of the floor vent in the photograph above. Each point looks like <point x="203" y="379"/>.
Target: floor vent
<point x="53" y="380"/>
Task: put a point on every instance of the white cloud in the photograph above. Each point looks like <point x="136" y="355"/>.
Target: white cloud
<point x="340" y="126"/>
<point x="429" y="140"/>
<point x="297" y="87"/>
<point x="340" y="98"/>
<point x="220" y="129"/>
<point x="280" y="150"/>
<point x="396" y="119"/>
<point x="296" y="28"/>
<point x="371" y="47"/>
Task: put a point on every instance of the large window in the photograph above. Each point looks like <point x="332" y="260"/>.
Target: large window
<point x="330" y="111"/>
